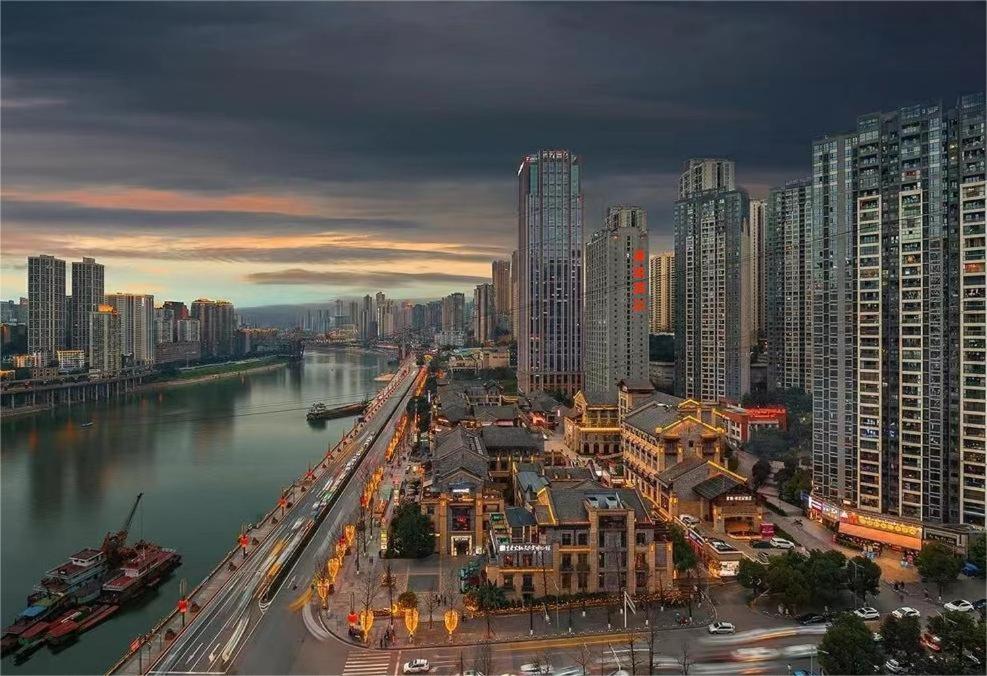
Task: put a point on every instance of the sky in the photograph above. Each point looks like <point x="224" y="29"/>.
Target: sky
<point x="294" y="153"/>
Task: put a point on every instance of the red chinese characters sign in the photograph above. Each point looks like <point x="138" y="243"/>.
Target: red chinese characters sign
<point x="639" y="286"/>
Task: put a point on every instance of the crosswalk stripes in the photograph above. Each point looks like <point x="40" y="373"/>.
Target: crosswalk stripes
<point x="367" y="663"/>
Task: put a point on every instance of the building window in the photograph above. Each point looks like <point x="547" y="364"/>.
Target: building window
<point x="566" y="581"/>
<point x="527" y="585"/>
<point x="582" y="539"/>
<point x="600" y="581"/>
<point x="583" y="580"/>
<point x="566" y="539"/>
<point x="601" y="560"/>
<point x="509" y="581"/>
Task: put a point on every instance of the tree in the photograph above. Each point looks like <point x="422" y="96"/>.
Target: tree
<point x="863" y="577"/>
<point x="408" y="600"/>
<point x="485" y="598"/>
<point x="901" y="637"/>
<point x="771" y="443"/>
<point x="826" y="575"/>
<point x="388" y="582"/>
<point x="760" y="473"/>
<point x="412" y="534"/>
<point x="632" y="653"/>
<point x="682" y="554"/>
<point x="786" y="578"/>
<point x="791" y="490"/>
<point x="959" y="633"/>
<point x="849" y="647"/>
<point x="978" y="552"/>
<point x="584" y="658"/>
<point x="483" y="658"/>
<point x="431" y="603"/>
<point x="938" y="563"/>
<point x="752" y="575"/>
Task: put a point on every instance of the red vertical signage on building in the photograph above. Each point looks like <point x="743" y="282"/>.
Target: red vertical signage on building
<point x="640" y="287"/>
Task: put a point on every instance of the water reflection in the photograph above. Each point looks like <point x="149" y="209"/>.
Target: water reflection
<point x="208" y="457"/>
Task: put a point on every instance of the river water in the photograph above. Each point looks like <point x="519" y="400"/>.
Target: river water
<point x="208" y="457"/>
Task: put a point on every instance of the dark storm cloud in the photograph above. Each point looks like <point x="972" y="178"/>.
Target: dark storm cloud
<point x="397" y="101"/>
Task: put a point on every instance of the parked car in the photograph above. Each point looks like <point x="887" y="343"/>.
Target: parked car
<point x="959" y="606"/>
<point x="980" y="605"/>
<point x="781" y="543"/>
<point x="357" y="633"/>
<point x="906" y="611"/>
<point x="761" y="544"/>
<point x="722" y="628"/>
<point x="867" y="613"/>
<point x="418" y="666"/>
<point x="931" y="642"/>
<point x="535" y="668"/>
<point x="688" y="519"/>
<point x="811" y="618"/>
<point x="895" y="667"/>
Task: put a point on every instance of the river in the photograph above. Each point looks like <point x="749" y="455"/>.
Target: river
<point x="208" y="457"/>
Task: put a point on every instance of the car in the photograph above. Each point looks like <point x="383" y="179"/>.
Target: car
<point x="536" y="668"/>
<point x="803" y="650"/>
<point x="895" y="667"/>
<point x="418" y="666"/>
<point x="931" y="642"/>
<point x="763" y="558"/>
<point x="357" y="633"/>
<point x="721" y="628"/>
<point x="867" y="613"/>
<point x="761" y="544"/>
<point x="959" y="606"/>
<point x="810" y="618"/>
<point x="906" y="611"/>
<point x="980" y="605"/>
<point x="781" y="543"/>
<point x="754" y="654"/>
<point x="877" y="637"/>
<point x="688" y="519"/>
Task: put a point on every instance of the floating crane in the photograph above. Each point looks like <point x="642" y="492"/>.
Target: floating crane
<point x="113" y="543"/>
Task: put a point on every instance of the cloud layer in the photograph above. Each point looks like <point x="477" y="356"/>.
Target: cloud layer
<point x="286" y="152"/>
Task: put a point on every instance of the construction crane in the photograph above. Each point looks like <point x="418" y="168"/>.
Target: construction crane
<point x="113" y="542"/>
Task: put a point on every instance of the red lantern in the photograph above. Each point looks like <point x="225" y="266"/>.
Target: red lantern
<point x="352" y="618"/>
<point x="183" y="606"/>
<point x="244" y="541"/>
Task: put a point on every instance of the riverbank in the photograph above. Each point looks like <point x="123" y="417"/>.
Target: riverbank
<point x="212" y="372"/>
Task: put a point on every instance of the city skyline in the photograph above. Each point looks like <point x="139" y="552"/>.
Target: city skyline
<point x="285" y="211"/>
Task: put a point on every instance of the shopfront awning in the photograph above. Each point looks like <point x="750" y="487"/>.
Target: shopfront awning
<point x="882" y="536"/>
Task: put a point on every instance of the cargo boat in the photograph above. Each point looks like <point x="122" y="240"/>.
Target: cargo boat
<point x="320" y="411"/>
<point x="87" y="589"/>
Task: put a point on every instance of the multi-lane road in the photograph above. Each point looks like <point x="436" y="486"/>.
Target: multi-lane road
<point x="244" y="629"/>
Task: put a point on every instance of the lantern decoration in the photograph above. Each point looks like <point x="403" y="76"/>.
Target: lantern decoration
<point x="411" y="620"/>
<point x="322" y="588"/>
<point x="352" y="619"/>
<point x="350" y="531"/>
<point x="340" y="548"/>
<point x="244" y="540"/>
<point x="332" y="568"/>
<point x="366" y="621"/>
<point x="451" y="619"/>
<point x="183" y="605"/>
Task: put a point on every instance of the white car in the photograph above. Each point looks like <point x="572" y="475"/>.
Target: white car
<point x="688" y="519"/>
<point x="906" y="611"/>
<point x="867" y="613"/>
<point x="416" y="667"/>
<point x="534" y="668"/>
<point x="959" y="606"/>
<point x="781" y="543"/>
<point x="894" y="667"/>
<point x="804" y="650"/>
<point x="722" y="628"/>
<point x="754" y="654"/>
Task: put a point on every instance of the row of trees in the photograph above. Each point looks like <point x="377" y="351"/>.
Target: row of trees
<point x="818" y="579"/>
<point x="849" y="646"/>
